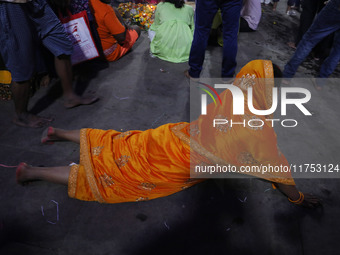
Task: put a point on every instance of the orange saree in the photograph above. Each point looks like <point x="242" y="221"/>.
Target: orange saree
<point x="141" y="165"/>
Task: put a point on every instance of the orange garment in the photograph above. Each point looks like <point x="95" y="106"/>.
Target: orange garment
<point x="5" y="77"/>
<point x="238" y="145"/>
<point x="108" y="25"/>
<point x="141" y="165"/>
<point x="131" y="166"/>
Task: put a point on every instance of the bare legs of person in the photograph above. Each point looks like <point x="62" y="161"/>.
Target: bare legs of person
<point x="64" y="70"/>
<point x="274" y="6"/>
<point x="292" y="192"/>
<point x="21" y="93"/>
<point x="52" y="134"/>
<point x="26" y="173"/>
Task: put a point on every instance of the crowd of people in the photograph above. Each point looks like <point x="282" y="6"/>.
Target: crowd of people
<point x="179" y="34"/>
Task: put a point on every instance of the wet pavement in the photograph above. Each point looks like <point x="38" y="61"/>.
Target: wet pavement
<point x="231" y="216"/>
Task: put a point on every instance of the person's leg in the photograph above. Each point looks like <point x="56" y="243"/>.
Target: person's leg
<point x="275" y="4"/>
<point x="244" y="26"/>
<point x="52" y="134"/>
<point x="290" y="10"/>
<point x="330" y="63"/>
<point x="132" y="36"/>
<point x="230" y="16"/>
<point x="54" y="38"/>
<point x="26" y="173"/>
<point x="309" y="10"/>
<point x="325" y="23"/>
<point x="205" y="13"/>
<point x="21" y="93"/>
<point x="63" y="68"/>
<point x="17" y="49"/>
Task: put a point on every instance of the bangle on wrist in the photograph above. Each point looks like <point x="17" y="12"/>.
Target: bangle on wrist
<point x="298" y="201"/>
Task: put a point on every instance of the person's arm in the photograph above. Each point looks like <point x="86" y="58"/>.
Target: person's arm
<point x="267" y="152"/>
<point x="308" y="200"/>
<point x="116" y="28"/>
<point x="120" y="37"/>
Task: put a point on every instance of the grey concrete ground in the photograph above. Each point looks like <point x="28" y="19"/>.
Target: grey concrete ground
<point x="232" y="216"/>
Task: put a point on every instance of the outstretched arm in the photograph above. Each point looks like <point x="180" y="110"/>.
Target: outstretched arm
<point x="306" y="200"/>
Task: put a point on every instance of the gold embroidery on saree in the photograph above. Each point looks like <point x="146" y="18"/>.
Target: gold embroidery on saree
<point x="122" y="161"/>
<point x="72" y="181"/>
<point x="255" y="123"/>
<point x="121" y="135"/>
<point x="193" y="130"/>
<point x="269" y="81"/>
<point x="225" y="127"/>
<point x="142" y="199"/>
<point x="97" y="150"/>
<point x="247" y="158"/>
<point x="85" y="160"/>
<point x="247" y="81"/>
<point x="106" y="181"/>
<point x="147" y="186"/>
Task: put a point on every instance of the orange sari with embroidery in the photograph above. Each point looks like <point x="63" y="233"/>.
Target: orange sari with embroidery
<point x="141" y="165"/>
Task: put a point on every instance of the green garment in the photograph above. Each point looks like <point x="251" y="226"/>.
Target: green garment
<point x="217" y="25"/>
<point x="174" y="28"/>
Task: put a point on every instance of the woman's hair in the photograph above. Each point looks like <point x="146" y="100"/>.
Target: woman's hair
<point x="177" y="3"/>
<point x="277" y="75"/>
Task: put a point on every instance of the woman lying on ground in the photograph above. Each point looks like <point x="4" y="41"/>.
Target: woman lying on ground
<point x="141" y="165"/>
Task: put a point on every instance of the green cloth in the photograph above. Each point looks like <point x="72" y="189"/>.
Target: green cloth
<point x="174" y="28"/>
<point x="217" y="25"/>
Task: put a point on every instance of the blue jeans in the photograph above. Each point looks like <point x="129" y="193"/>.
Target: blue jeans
<point x="327" y="22"/>
<point x="205" y="13"/>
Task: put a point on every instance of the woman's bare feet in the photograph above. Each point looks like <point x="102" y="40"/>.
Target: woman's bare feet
<point x="49" y="136"/>
<point x="74" y="100"/>
<point x="45" y="81"/>
<point x="31" y="120"/>
<point x="23" y="174"/>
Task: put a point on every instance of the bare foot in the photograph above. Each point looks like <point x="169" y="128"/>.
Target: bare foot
<point x="31" y="120"/>
<point x="186" y="73"/>
<point x="49" y="136"/>
<point x="45" y="81"/>
<point x="75" y="101"/>
<point x="22" y="174"/>
<point x="291" y="45"/>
